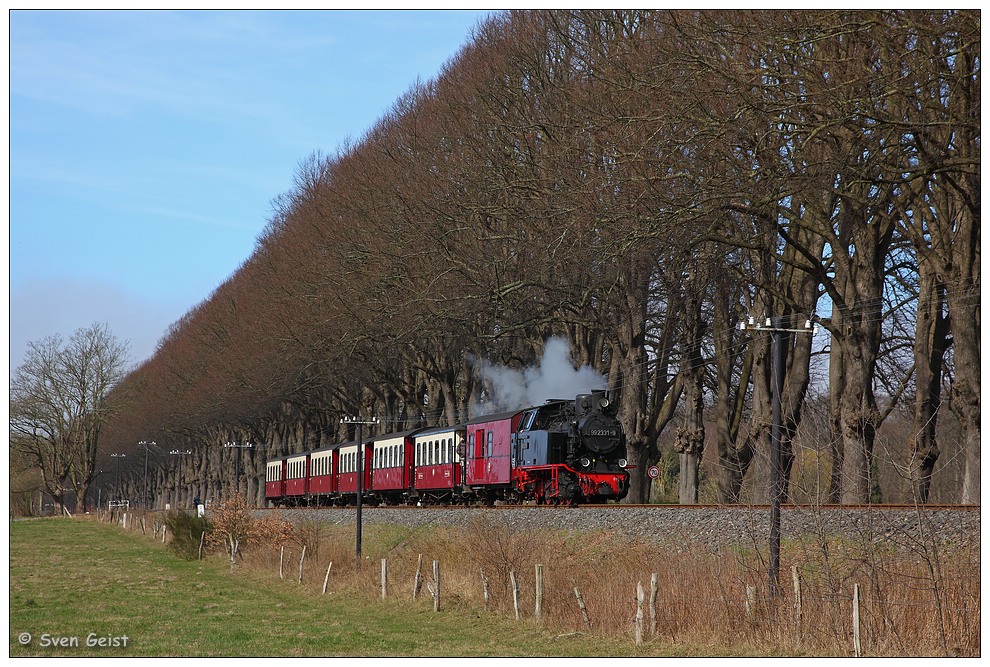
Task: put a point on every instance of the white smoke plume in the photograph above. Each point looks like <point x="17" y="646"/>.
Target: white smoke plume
<point x="554" y="377"/>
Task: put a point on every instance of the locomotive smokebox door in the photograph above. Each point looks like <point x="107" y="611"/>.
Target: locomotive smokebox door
<point x="601" y="433"/>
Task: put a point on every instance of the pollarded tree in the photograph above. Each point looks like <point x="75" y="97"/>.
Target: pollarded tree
<point x="59" y="403"/>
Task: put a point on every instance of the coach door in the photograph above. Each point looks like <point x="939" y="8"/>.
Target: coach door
<point x="476" y="446"/>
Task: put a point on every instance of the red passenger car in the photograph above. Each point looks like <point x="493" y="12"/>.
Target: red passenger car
<point x="488" y="453"/>
<point x="439" y="474"/>
<point x="275" y="481"/>
<point x="391" y="466"/>
<point x="322" y="475"/>
<point x="347" y="471"/>
<point x="296" y="476"/>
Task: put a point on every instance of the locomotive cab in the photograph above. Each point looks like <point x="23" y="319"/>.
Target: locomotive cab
<point x="542" y="435"/>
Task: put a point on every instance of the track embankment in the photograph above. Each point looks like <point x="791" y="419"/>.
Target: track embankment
<point x="689" y="528"/>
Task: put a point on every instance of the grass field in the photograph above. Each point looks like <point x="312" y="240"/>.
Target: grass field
<point x="78" y="587"/>
<point x="82" y="588"/>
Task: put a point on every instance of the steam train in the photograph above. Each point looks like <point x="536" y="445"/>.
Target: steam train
<point x="564" y="452"/>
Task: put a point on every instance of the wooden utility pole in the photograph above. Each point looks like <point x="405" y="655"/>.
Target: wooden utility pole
<point x="776" y="327"/>
<point x="359" y="422"/>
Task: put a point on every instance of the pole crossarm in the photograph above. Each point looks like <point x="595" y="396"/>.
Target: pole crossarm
<point x="773" y="324"/>
<point x="359" y="420"/>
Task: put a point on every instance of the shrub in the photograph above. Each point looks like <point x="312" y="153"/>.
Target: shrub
<point x="187" y="531"/>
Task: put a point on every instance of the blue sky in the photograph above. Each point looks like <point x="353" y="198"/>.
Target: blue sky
<point x="146" y="147"/>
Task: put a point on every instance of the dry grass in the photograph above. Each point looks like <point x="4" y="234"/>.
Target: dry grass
<point x="915" y="600"/>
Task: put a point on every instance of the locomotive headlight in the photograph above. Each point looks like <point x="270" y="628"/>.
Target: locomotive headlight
<point x="604" y="403"/>
<point x="623" y="463"/>
<point x="585" y="462"/>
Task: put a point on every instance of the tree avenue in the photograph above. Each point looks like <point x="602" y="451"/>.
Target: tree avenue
<point x="638" y="182"/>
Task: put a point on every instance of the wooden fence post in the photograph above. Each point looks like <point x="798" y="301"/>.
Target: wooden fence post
<point x="302" y="558"/>
<point x="418" y="579"/>
<point x="436" y="585"/>
<point x="751" y="604"/>
<point x="384" y="577"/>
<point x="326" y="579"/>
<point x="538" y="612"/>
<point x="583" y="608"/>
<point x="515" y="592"/>
<point x="202" y="536"/>
<point x="640" y="596"/>
<point x="281" y="559"/>
<point x="484" y="587"/>
<point x="654" y="591"/>
<point x="798" y="611"/>
<point x="857" y="646"/>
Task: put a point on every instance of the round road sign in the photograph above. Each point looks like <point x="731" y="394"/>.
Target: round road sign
<point x="653" y="472"/>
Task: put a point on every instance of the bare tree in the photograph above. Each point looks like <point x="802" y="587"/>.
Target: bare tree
<point x="59" y="404"/>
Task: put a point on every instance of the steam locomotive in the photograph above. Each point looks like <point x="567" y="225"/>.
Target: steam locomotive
<point x="563" y="452"/>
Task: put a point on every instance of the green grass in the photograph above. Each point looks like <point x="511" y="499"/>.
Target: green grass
<point x="74" y="578"/>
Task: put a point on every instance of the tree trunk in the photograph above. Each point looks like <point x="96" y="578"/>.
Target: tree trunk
<point x="690" y="442"/>
<point x="930" y="343"/>
<point x="966" y="388"/>
<point x="857" y="415"/>
<point x="734" y="457"/>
